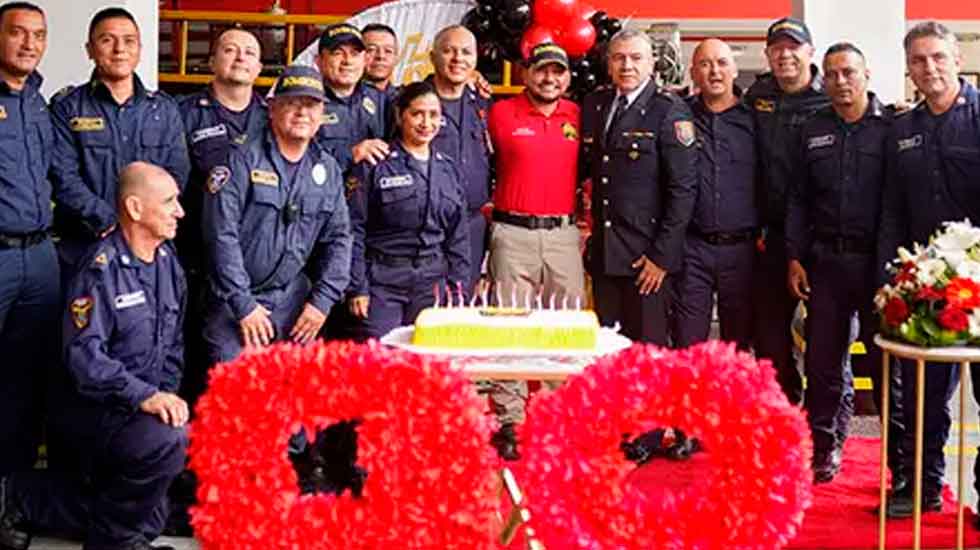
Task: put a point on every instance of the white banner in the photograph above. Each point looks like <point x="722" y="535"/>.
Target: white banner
<point x="416" y="23"/>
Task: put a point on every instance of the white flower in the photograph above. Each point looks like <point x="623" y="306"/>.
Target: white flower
<point x="904" y="255"/>
<point x="974" y="319"/>
<point x="929" y="271"/>
<point x="952" y="257"/>
<point x="969" y="269"/>
<point x="957" y="236"/>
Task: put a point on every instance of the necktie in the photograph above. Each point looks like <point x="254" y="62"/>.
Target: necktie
<point x="618" y="109"/>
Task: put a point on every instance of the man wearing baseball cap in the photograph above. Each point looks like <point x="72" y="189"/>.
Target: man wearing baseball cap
<point x="781" y="101"/>
<point x="274" y="213"/>
<point x="357" y="116"/>
<point x="534" y="242"/>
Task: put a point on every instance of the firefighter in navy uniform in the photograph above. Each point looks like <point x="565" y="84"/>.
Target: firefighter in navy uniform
<point x="409" y="223"/>
<point x="118" y="411"/>
<point x="275" y="213"/>
<point x="638" y="150"/>
<point x="357" y="116"/>
<point x="464" y="136"/>
<point x="782" y="101"/>
<point x="933" y="160"/>
<point x="104" y="125"/>
<point x="831" y="230"/>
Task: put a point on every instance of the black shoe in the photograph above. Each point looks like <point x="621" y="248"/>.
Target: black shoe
<point x="900" y="504"/>
<point x="505" y="441"/>
<point x="826" y="465"/>
<point x="12" y="534"/>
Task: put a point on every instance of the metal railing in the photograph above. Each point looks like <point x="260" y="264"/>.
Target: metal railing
<point x="180" y="39"/>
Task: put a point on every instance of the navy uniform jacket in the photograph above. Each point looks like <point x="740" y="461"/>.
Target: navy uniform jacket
<point x="211" y="132"/>
<point x="26" y="141"/>
<point x="260" y="229"/>
<point x="728" y="169"/>
<point x="840" y="176"/>
<point x="779" y="118"/>
<point x="644" y="179"/>
<point x="933" y="165"/>
<point x="123" y="337"/>
<point x="365" y="114"/>
<point x="397" y="211"/>
<point x="466" y="140"/>
<point x="95" y="138"/>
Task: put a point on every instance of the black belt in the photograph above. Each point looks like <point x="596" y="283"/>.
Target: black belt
<point x="403" y="261"/>
<point x="726" y="238"/>
<point x="23" y="241"/>
<point x="847" y="245"/>
<point x="533" y="222"/>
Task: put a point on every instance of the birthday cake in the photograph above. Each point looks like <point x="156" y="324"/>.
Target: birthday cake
<point x="506" y="328"/>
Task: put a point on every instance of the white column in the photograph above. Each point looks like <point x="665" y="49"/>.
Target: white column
<point x="876" y="27"/>
<point x="66" y="61"/>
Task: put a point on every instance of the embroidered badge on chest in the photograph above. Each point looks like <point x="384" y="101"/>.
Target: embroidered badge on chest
<point x="569" y="131"/>
<point x="264" y="177"/>
<point x="820" y="141"/>
<point x="130" y="299"/>
<point x="765" y="105"/>
<point x="87" y="124"/>
<point x="369" y="106"/>
<point x="330" y="119"/>
<point x="319" y="174"/>
<point x="391" y="182"/>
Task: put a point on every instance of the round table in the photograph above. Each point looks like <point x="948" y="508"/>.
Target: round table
<point x="962" y="355"/>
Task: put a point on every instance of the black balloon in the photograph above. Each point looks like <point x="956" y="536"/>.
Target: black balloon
<point x="514" y="17"/>
<point x="613" y="26"/>
<point x="478" y="23"/>
<point x="598" y="18"/>
<point x="486" y="9"/>
<point x="581" y="66"/>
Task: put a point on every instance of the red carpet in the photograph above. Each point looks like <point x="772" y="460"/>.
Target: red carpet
<point x="843" y="512"/>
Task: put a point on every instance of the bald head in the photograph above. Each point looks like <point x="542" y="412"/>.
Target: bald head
<point x="713" y="69"/>
<point x="147" y="199"/>
<point x="454" y="56"/>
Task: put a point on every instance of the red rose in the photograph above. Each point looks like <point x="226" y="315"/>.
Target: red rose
<point x="963" y="293"/>
<point x="952" y="318"/>
<point x="896" y="312"/>
<point x="929" y="293"/>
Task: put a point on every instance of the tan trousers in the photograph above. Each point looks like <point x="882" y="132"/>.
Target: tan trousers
<point x="524" y="261"/>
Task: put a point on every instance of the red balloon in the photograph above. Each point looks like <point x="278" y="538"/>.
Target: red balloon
<point x="577" y="37"/>
<point x="586" y="11"/>
<point x="534" y="35"/>
<point x="553" y="12"/>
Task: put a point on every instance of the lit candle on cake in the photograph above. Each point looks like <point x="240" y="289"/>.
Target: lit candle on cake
<point x="435" y="294"/>
<point x="564" y="301"/>
<point x="578" y="302"/>
<point x="540" y="292"/>
<point x="459" y="292"/>
<point x="551" y="301"/>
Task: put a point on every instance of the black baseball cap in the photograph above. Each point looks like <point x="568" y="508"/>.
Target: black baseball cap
<point x="791" y="28"/>
<point x="300" y="80"/>
<point x="341" y="33"/>
<point x="546" y="53"/>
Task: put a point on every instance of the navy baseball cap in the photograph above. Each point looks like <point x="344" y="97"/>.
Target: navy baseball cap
<point x="341" y="33"/>
<point x="791" y="28"/>
<point x="300" y="80"/>
<point x="546" y="53"/>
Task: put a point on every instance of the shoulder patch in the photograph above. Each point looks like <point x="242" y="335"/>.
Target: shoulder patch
<point x="764" y="105"/>
<point x="80" y="311"/>
<point x="350" y="186"/>
<point x="684" y="132"/>
<point x="264" y="177"/>
<point x="217" y="179"/>
<point x="3" y="113"/>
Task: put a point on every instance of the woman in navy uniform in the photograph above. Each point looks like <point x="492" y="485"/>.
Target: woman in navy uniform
<point x="408" y="220"/>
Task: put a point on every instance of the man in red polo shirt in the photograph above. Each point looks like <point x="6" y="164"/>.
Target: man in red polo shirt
<point x="534" y="242"/>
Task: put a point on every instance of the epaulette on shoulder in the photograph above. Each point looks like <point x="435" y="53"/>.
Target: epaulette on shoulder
<point x="102" y="258"/>
<point x="62" y="93"/>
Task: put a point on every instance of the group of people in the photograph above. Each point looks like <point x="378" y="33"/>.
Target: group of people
<point x="186" y="232"/>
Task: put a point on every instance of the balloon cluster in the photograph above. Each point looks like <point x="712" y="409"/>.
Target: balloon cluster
<point x="509" y="29"/>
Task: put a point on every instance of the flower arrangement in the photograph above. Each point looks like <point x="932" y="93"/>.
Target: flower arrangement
<point x="933" y="298"/>
<point x="757" y="445"/>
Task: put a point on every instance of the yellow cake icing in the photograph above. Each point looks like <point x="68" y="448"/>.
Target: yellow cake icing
<point x="506" y="328"/>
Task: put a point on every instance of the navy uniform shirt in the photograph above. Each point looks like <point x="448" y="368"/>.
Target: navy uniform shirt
<point x="464" y="137"/>
<point x="26" y="141"/>
<point x="347" y="121"/>
<point x="779" y="117"/>
<point x="123" y="328"/>
<point x="261" y="227"/>
<point x="728" y="169"/>
<point x="95" y="138"/>
<point x="212" y="130"/>
<point x="841" y="172"/>
<point x="397" y="210"/>
<point x="933" y="166"/>
<point x="644" y="178"/>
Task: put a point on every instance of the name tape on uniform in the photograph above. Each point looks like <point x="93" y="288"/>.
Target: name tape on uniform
<point x="263" y="177"/>
<point x="208" y="133"/>
<point x="820" y="141"/>
<point x="391" y="182"/>
<point x="910" y="143"/>
<point x="130" y="299"/>
<point x="87" y="124"/>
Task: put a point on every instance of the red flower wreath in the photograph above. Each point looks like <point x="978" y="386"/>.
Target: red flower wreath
<point x="431" y="476"/>
<point x="757" y="480"/>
